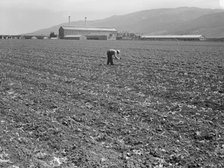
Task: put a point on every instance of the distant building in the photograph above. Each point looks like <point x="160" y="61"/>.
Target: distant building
<point x="33" y="37"/>
<point x="173" y="37"/>
<point x="54" y="38"/>
<point x="69" y="32"/>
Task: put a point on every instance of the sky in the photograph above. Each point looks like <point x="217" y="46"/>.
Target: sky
<point x="25" y="16"/>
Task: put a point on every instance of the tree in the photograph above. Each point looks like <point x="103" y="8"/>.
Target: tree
<point x="52" y="34"/>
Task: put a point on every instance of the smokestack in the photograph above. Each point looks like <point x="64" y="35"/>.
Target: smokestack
<point x="69" y="20"/>
<point x="85" y="20"/>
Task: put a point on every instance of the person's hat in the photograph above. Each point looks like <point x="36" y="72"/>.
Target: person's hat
<point x="118" y="51"/>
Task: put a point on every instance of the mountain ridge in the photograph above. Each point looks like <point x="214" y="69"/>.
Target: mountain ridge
<point x="182" y="20"/>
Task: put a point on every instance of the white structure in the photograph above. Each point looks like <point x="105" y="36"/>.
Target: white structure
<point x="173" y="37"/>
<point x="34" y="37"/>
<point x="69" y="32"/>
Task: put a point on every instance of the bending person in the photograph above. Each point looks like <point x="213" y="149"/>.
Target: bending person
<point x="110" y="54"/>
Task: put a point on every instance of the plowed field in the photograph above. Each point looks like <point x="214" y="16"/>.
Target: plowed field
<point x="161" y="105"/>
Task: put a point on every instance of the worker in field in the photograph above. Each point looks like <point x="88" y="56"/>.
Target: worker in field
<point x="110" y="54"/>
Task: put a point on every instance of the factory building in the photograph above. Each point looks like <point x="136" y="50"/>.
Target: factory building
<point x="69" y="32"/>
<point x="173" y="37"/>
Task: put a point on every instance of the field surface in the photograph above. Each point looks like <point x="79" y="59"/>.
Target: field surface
<point x="61" y="106"/>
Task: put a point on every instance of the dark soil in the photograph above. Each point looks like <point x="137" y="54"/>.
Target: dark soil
<point x="61" y="106"/>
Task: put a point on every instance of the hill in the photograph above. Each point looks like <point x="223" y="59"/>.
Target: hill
<point x="184" y="20"/>
<point x="210" y="25"/>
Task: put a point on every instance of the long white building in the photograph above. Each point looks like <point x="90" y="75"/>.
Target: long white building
<point x="173" y="37"/>
<point x="79" y="33"/>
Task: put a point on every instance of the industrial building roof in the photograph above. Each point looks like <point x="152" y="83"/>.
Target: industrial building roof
<point x="72" y="36"/>
<point x="88" y="28"/>
<point x="172" y="36"/>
